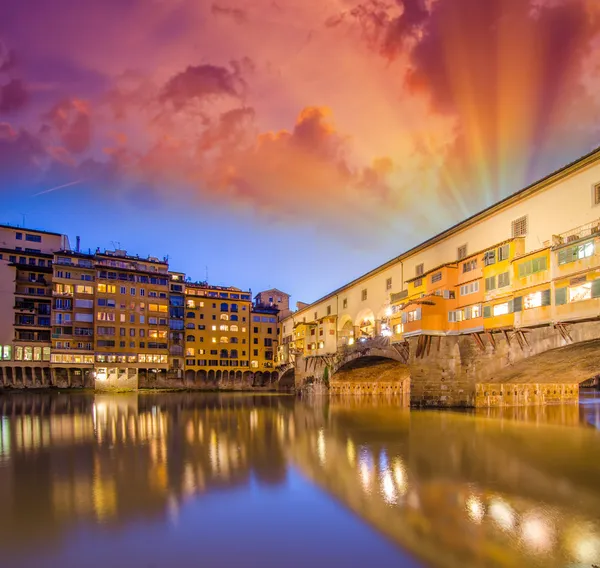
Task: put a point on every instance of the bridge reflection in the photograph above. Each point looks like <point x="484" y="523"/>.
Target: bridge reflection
<point x="455" y="489"/>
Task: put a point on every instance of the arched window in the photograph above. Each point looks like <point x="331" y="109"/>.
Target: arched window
<point x="224" y="354"/>
<point x="224" y="340"/>
<point x="224" y="317"/>
<point x="190" y="338"/>
<point x="234" y="307"/>
<point x="234" y="340"/>
<point x="190" y="315"/>
<point x="233" y="354"/>
<point x="233" y="328"/>
<point x="224" y="327"/>
<point x="190" y="326"/>
<point x="233" y="317"/>
<point x="224" y="307"/>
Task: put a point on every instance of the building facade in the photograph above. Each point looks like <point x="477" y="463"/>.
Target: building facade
<point x="532" y="259"/>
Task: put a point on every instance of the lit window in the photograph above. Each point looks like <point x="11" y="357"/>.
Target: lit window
<point x="533" y="300"/>
<point x="578" y="293"/>
<point x="500" y="309"/>
<point x="213" y="339"/>
<point x="214" y="328"/>
<point x="233" y="328"/>
<point x="476" y="311"/>
<point x="224" y="327"/>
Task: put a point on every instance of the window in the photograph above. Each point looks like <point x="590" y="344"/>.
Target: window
<point x="461" y="252"/>
<point x="418" y="282"/>
<point x="533" y="300"/>
<point x="500" y="309"/>
<point x="224" y="327"/>
<point x="33" y="238"/>
<point x="345" y="303"/>
<point x="455" y="316"/>
<point x="503" y="280"/>
<point x="224" y="307"/>
<point x="419" y="269"/>
<point x="84" y="317"/>
<point x="84" y="289"/>
<point x="328" y="311"/>
<point x="596" y="194"/>
<point x="490" y="283"/>
<point x="436" y="277"/>
<point x="224" y="339"/>
<point x="19" y="236"/>
<point x="470" y="288"/>
<point x="577" y="252"/>
<point x="364" y="295"/>
<point x="503" y="252"/>
<point x="476" y="311"/>
<point x="519" y="227"/>
<point x="489" y="257"/>
<point x="532" y="266"/>
<point x="388" y="284"/>
<point x="470" y="265"/>
<point x="578" y="293"/>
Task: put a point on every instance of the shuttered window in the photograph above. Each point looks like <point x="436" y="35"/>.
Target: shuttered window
<point x="519" y="227"/>
<point x="518" y="304"/>
<point x="560" y="296"/>
<point x="503" y="280"/>
<point x="490" y="283"/>
<point x="546" y="299"/>
<point x="487" y="311"/>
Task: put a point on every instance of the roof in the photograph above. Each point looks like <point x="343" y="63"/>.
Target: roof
<point x="539" y="185"/>
<point x="272" y="290"/>
<point x="30" y="230"/>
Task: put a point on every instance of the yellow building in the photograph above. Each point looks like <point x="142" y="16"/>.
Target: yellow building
<point x="217" y="332"/>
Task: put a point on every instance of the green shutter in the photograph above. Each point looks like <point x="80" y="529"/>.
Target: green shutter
<point x="562" y="256"/>
<point x="560" y="296"/>
<point x="518" y="304"/>
<point x="487" y="311"/>
<point x="596" y="288"/>
<point x="546" y="300"/>
<point x="510" y="306"/>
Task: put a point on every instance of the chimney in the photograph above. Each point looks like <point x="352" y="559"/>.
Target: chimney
<point x="77" y="243"/>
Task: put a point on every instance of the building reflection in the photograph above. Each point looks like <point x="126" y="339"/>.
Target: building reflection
<point x="115" y="458"/>
<point x="455" y="489"/>
<point x="460" y="490"/>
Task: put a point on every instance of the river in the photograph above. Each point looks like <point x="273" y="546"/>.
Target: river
<point x="220" y="481"/>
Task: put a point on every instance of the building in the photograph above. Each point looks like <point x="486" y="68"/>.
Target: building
<point x="73" y="309"/>
<point x="530" y="260"/>
<point x="264" y="341"/>
<point x="177" y="323"/>
<point x="217" y="333"/>
<point x="274" y="298"/>
<point x="26" y="303"/>
<point x="131" y="326"/>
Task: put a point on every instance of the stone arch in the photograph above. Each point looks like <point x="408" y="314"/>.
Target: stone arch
<point x="288" y="379"/>
<point x="218" y="375"/>
<point x="201" y="376"/>
<point x="364" y="324"/>
<point x="211" y="376"/>
<point x="345" y="329"/>
<point x="189" y="376"/>
<point x="258" y="379"/>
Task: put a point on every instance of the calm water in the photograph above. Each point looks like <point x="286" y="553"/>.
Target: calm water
<point x="192" y="480"/>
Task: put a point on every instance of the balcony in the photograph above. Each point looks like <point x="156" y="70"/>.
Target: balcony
<point x="584" y="231"/>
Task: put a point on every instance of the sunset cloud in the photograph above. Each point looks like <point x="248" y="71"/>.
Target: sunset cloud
<point x="409" y="112"/>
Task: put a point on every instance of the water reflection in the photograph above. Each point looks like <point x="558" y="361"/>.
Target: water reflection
<point x="515" y="489"/>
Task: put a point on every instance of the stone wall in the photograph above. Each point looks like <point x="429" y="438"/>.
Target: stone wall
<point x="118" y="380"/>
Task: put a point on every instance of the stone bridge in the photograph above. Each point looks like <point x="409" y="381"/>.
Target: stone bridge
<point x="510" y="367"/>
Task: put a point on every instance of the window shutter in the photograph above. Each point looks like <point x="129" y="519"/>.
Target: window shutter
<point x="560" y="296"/>
<point x="562" y="256"/>
<point x="518" y="304"/>
<point x="546" y="300"/>
<point x="468" y="312"/>
<point x="596" y="288"/>
<point x="418" y="316"/>
<point x="510" y="306"/>
<point x="487" y="311"/>
<point x="404" y="317"/>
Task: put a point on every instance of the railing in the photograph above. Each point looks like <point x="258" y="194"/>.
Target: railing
<point x="582" y="232"/>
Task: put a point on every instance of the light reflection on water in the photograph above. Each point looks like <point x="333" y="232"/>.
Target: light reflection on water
<point x="271" y="481"/>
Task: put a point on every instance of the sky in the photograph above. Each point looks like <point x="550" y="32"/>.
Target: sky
<point x="285" y="143"/>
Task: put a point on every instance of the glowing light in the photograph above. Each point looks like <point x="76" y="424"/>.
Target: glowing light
<point x="321" y="446"/>
<point x="388" y="312"/>
<point x="365" y="476"/>
<point x="400" y="476"/>
<point x="383" y="461"/>
<point x="475" y="509"/>
<point x="502" y="514"/>
<point x="537" y="533"/>
<point x="586" y="548"/>
<point x="388" y="489"/>
<point x="350" y="451"/>
<point x="351" y="341"/>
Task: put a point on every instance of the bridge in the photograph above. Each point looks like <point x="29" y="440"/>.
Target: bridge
<point x="509" y="367"/>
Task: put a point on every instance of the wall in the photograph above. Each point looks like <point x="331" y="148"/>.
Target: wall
<point x="548" y="213"/>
